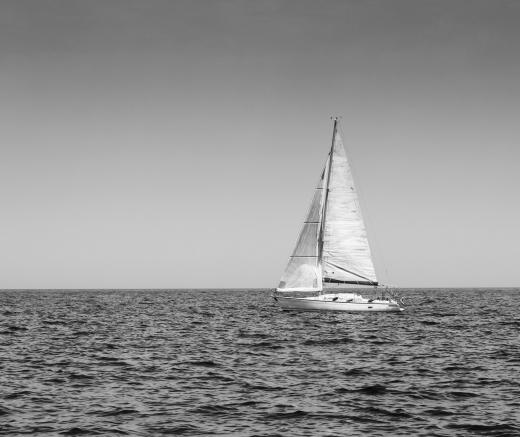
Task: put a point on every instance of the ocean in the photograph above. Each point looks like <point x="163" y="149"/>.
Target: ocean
<point x="231" y="363"/>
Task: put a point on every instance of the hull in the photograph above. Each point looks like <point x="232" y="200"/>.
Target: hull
<point x="337" y="302"/>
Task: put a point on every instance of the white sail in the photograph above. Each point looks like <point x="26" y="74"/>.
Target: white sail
<point x="333" y="248"/>
<point x="346" y="254"/>
<point x="303" y="271"/>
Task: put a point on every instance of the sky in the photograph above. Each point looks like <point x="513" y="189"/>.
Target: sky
<point x="174" y="144"/>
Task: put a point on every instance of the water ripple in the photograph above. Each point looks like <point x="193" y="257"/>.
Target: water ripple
<point x="224" y="362"/>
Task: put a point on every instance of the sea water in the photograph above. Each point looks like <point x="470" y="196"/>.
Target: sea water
<point x="230" y="362"/>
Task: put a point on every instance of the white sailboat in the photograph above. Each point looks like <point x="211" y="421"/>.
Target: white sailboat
<point x="332" y="260"/>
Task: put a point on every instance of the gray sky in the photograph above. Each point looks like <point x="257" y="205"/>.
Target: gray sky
<point x="177" y="143"/>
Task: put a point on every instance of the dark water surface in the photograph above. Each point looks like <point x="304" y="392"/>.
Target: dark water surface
<point x="231" y="363"/>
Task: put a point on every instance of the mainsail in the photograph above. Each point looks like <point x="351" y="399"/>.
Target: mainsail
<point x="333" y="245"/>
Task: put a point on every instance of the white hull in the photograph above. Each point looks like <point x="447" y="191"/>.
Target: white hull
<point x="336" y="302"/>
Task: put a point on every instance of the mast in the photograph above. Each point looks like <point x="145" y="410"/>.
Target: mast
<point x="324" y="214"/>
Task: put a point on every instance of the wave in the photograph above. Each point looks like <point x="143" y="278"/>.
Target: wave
<point x="328" y="341"/>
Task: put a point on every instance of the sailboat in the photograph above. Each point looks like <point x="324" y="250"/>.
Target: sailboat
<point x="331" y="264"/>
